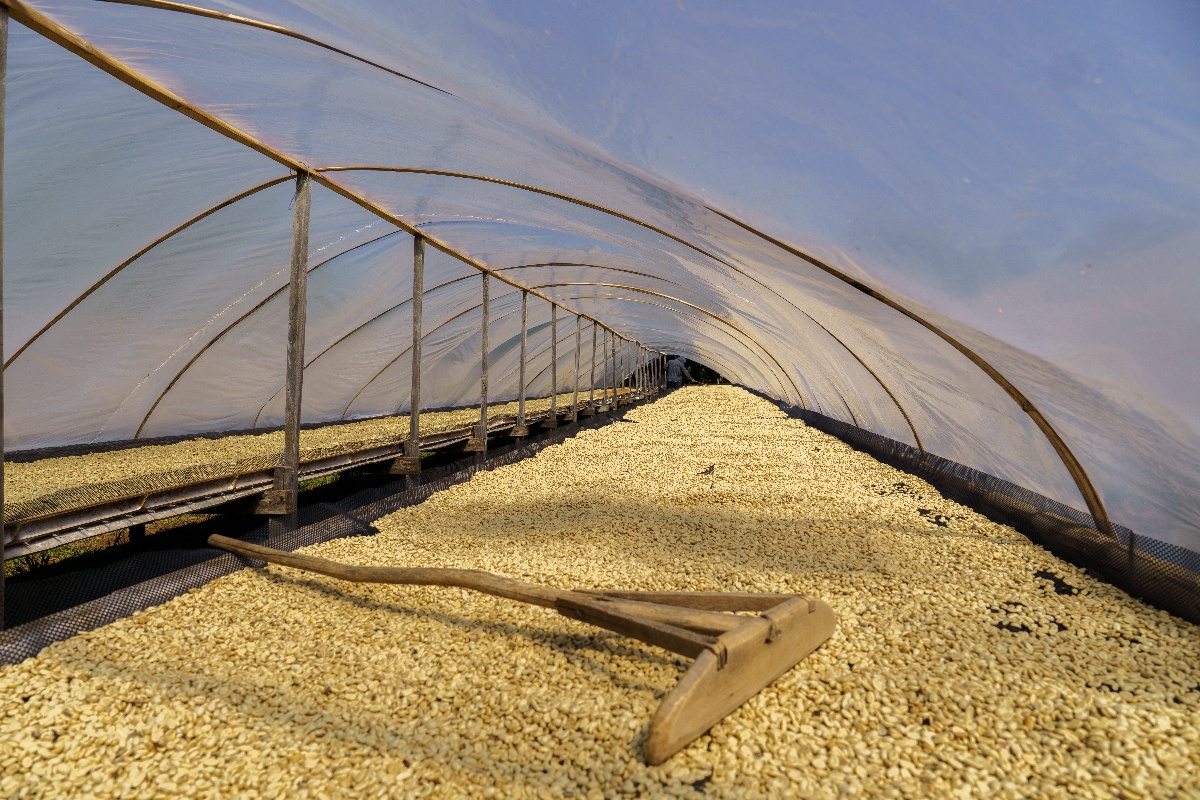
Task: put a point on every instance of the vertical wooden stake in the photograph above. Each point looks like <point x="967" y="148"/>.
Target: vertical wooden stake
<point x="641" y="371"/>
<point x="287" y="475"/>
<point x="619" y="364"/>
<point x="3" y="88"/>
<point x="627" y="362"/>
<point x="613" y="347"/>
<point x="578" y="340"/>
<point x="633" y="366"/>
<point x="483" y="377"/>
<point x="553" y="421"/>
<point x="604" y="382"/>
<point x="592" y="382"/>
<point x="412" y="448"/>
<point x="623" y="361"/>
<point x="637" y="369"/>
<point x="522" y="429"/>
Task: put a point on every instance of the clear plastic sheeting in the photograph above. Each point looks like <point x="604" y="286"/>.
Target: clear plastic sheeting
<point x="147" y="255"/>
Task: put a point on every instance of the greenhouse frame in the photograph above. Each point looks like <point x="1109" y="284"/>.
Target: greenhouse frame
<point x="229" y="221"/>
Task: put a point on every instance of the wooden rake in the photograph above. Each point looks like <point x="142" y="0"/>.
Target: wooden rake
<point x="736" y="656"/>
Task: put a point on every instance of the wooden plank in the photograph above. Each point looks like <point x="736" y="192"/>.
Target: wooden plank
<point x="405" y="465"/>
<point x="276" y="502"/>
<point x="287" y="475"/>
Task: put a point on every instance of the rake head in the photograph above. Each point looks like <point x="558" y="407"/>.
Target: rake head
<point x="733" y="666"/>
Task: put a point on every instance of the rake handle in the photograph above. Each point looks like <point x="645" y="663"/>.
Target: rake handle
<point x="475" y="579"/>
<point x="699" y="620"/>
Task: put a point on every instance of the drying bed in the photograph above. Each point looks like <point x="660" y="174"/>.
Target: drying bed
<point x="967" y="659"/>
<point x="57" y="483"/>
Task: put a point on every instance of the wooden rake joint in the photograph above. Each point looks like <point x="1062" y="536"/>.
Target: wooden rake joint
<point x="736" y="656"/>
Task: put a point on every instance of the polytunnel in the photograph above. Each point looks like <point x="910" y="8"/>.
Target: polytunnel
<point x="962" y="240"/>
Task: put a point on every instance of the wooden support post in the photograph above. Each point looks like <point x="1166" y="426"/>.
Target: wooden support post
<point x="637" y="368"/>
<point x="632" y="366"/>
<point x="3" y="88"/>
<point x="552" y="422"/>
<point x="522" y="428"/>
<point x="592" y="382"/>
<point x="281" y="498"/>
<point x="627" y="366"/>
<point x="412" y="448"/>
<point x="631" y="347"/>
<point x="616" y="362"/>
<point x="613" y="348"/>
<point x="620" y="362"/>
<point x="640" y="369"/>
<point x="604" y="383"/>
<point x="478" y="442"/>
<point x="578" y="344"/>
